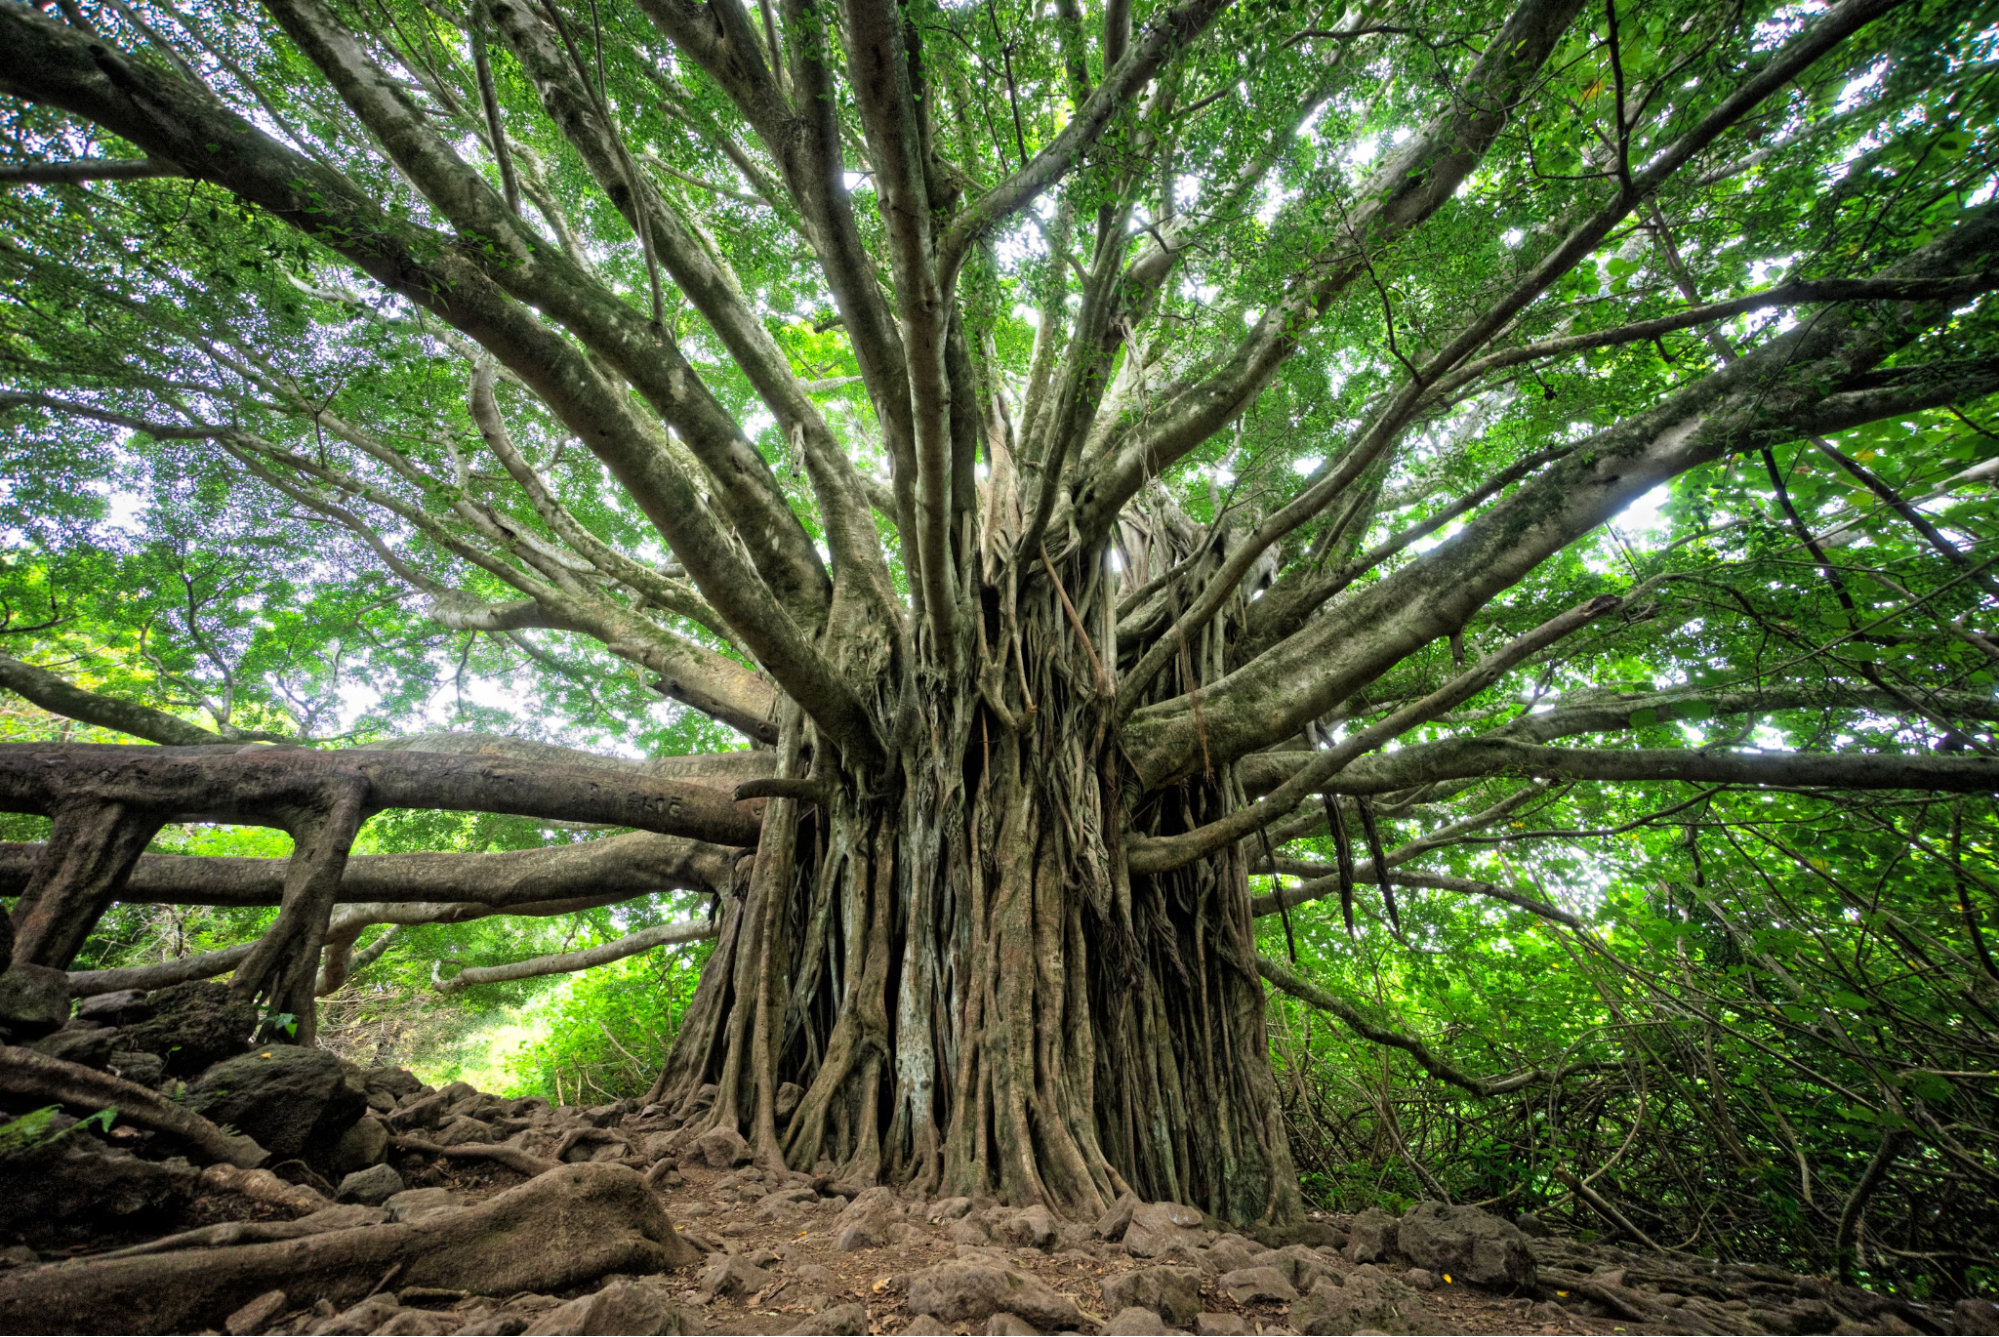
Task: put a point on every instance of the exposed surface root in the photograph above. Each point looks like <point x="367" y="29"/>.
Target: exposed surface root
<point x="23" y="1072"/>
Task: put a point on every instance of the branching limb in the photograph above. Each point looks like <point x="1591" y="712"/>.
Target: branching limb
<point x="1303" y="989"/>
<point x="566" y="962"/>
<point x="59" y="696"/>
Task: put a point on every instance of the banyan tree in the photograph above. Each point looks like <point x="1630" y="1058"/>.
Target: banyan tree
<point x="1059" y="456"/>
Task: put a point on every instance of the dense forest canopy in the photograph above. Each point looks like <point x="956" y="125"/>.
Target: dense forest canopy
<point x="1218" y="599"/>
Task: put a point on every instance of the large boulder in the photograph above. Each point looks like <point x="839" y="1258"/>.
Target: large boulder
<point x="1468" y="1244"/>
<point x="558" y="1232"/>
<point x="34" y="1001"/>
<point x="973" y="1290"/>
<point x="126" y="1007"/>
<point x="1302" y="1267"/>
<point x="1173" y="1294"/>
<point x="1375" y="1237"/>
<point x="194" y="1026"/>
<point x="1258" y="1285"/>
<point x="1155" y="1225"/>
<point x="1369" y="1301"/>
<point x="363" y="1145"/>
<point x="82" y="1043"/>
<point x="75" y="1187"/>
<point x="371" y="1187"/>
<point x="722" y="1148"/>
<point x="293" y="1101"/>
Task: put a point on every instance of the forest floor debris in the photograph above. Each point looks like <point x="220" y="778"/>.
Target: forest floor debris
<point x="566" y="1231"/>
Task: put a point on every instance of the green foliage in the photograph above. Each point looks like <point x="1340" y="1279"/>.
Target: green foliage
<point x="38" y="1129"/>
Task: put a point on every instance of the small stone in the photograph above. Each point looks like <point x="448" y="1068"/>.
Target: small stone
<point x="1154" y="1225"/>
<point x="1170" y="1293"/>
<point x="1258" y="1285"/>
<point x="622" y="1307"/>
<point x="817" y="1277"/>
<point x="1034" y="1228"/>
<point x="255" y="1316"/>
<point x="1233" y="1251"/>
<point x="118" y="1009"/>
<point x="730" y="1275"/>
<point x="788" y="1096"/>
<point x="462" y="1130"/>
<point x="925" y="1325"/>
<point x="847" y="1320"/>
<point x="968" y="1231"/>
<point x="371" y="1187"/>
<point x="1111" y="1225"/>
<point x="1135" y="1322"/>
<point x="949" y="1209"/>
<point x="1532" y="1226"/>
<point x="363" y="1145"/>
<point x="88" y="1046"/>
<point x="722" y="1148"/>
<point x="1420" y="1278"/>
<point x="1222" y="1325"/>
<point x="858" y="1235"/>
<point x="1010" y="1325"/>
<point x="1302" y="1267"/>
<point x="34" y="1001"/>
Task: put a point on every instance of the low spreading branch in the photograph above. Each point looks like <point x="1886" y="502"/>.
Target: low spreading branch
<point x="565" y="962"/>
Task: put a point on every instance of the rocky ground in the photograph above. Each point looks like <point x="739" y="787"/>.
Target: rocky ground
<point x="381" y="1206"/>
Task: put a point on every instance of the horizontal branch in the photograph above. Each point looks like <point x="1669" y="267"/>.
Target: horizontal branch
<point x="1771" y="395"/>
<point x="564" y="963"/>
<point x="342" y="929"/>
<point x="1471" y="758"/>
<point x="1290" y="898"/>
<point x="508" y="881"/>
<point x="1158" y="853"/>
<point x="86" y="169"/>
<point x="256" y="784"/>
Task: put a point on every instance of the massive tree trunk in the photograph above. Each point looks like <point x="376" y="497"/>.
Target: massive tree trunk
<point x="949" y="959"/>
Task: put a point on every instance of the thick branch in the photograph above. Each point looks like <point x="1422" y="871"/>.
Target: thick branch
<point x="254" y="783"/>
<point x="59" y="696"/>
<point x="47" y="62"/>
<point x="88" y="169"/>
<point x="1159" y="853"/>
<point x="566" y="962"/>
<point x="1759" y="399"/>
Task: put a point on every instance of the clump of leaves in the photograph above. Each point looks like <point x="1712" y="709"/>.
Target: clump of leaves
<point x="38" y="1129"/>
